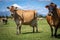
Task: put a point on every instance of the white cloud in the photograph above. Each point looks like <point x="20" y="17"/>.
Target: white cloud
<point x="26" y="7"/>
<point x="16" y="5"/>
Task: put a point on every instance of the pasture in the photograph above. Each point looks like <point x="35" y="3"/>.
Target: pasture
<point x="8" y="32"/>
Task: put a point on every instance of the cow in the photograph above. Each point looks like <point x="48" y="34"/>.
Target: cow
<point x="53" y="18"/>
<point x="24" y="17"/>
<point x="4" y="20"/>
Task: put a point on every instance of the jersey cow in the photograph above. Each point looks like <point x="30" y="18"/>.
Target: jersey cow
<point x="24" y="17"/>
<point x="53" y="18"/>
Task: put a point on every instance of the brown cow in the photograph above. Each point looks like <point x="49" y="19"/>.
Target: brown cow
<point x="53" y="18"/>
<point x="4" y="20"/>
<point x="25" y="17"/>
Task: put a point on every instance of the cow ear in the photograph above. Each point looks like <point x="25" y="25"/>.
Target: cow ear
<point x="56" y="6"/>
<point x="8" y="8"/>
<point x="46" y="6"/>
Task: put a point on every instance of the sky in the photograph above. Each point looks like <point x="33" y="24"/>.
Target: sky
<point x="38" y="5"/>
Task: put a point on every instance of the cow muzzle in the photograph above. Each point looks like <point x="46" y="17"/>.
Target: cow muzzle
<point x="50" y="14"/>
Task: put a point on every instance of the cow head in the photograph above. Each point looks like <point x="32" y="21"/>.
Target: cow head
<point x="12" y="9"/>
<point x="52" y="8"/>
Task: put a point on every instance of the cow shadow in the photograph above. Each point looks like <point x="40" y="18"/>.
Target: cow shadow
<point x="30" y="32"/>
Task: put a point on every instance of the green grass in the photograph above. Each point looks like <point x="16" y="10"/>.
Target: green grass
<point x="8" y="32"/>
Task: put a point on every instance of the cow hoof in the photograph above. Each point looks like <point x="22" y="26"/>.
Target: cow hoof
<point x="55" y="36"/>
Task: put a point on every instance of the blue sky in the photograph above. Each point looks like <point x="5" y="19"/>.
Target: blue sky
<point x="38" y="5"/>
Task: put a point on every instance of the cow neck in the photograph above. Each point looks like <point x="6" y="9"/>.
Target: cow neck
<point x="55" y="15"/>
<point x="16" y="16"/>
<point x="14" y="13"/>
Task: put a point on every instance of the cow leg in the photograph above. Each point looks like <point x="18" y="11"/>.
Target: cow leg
<point x="18" y="23"/>
<point x="17" y="29"/>
<point x="33" y="29"/>
<point x="36" y="28"/>
<point x="51" y="30"/>
<point x="5" y="21"/>
<point x="56" y="31"/>
<point x="20" y="29"/>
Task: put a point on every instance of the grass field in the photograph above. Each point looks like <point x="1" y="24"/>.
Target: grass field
<point x="8" y="32"/>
